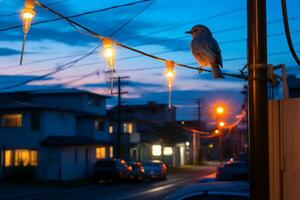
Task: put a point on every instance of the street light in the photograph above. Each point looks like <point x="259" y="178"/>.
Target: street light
<point x="216" y="131"/>
<point x="221" y="124"/>
<point x="170" y="75"/>
<point x="27" y="14"/>
<point x="220" y="110"/>
<point x="109" y="54"/>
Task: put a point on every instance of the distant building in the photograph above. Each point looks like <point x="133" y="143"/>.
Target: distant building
<point x="294" y="86"/>
<point x="159" y="136"/>
<point x="60" y="133"/>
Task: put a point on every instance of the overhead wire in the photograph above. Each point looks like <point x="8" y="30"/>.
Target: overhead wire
<point x="76" y="15"/>
<point x="288" y="33"/>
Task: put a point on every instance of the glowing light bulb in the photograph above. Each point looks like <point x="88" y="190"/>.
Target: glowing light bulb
<point x="170" y="75"/>
<point x="221" y="124"/>
<point x="220" y="110"/>
<point x="109" y="52"/>
<point x="216" y="132"/>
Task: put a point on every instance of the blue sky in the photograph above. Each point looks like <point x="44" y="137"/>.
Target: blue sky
<point x="160" y="28"/>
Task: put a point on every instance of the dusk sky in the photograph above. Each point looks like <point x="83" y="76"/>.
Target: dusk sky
<point x="159" y="30"/>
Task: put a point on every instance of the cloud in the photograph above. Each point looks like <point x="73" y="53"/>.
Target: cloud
<point x="8" y="52"/>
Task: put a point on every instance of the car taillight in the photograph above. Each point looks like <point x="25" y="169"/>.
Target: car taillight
<point x="129" y="168"/>
<point x="164" y="167"/>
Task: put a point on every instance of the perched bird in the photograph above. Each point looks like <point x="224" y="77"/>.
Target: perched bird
<point x="206" y="49"/>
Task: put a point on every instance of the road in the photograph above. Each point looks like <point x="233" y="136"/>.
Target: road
<point x="125" y="191"/>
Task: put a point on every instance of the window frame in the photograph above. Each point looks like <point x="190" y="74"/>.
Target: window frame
<point x="10" y="114"/>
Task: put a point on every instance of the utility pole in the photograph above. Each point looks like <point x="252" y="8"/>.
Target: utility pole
<point x="197" y="153"/>
<point x="119" y="113"/>
<point x="258" y="99"/>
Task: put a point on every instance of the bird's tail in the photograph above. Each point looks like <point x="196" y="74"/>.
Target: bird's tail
<point x="217" y="71"/>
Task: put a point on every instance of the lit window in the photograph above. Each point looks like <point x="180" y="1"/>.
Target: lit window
<point x="100" y="153"/>
<point x="111" y="151"/>
<point x="99" y="125"/>
<point x="128" y="128"/>
<point x="25" y="157"/>
<point x="168" y="151"/>
<point x="12" y="120"/>
<point x="110" y="129"/>
<point x="8" y="158"/>
<point x="156" y="150"/>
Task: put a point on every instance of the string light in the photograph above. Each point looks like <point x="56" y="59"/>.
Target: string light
<point x="109" y="54"/>
<point x="28" y="14"/>
<point x="170" y="75"/>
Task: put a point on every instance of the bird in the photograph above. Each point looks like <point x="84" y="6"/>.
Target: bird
<point x="206" y="49"/>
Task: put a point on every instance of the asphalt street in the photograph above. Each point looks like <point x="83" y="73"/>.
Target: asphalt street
<point x="106" y="191"/>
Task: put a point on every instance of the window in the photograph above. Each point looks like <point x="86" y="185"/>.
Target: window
<point x="94" y="101"/>
<point x="8" y="158"/>
<point x="128" y="128"/>
<point x="25" y="157"/>
<point x="111" y="151"/>
<point x="35" y="121"/>
<point x="100" y="152"/>
<point x="110" y="129"/>
<point x="20" y="157"/>
<point x="99" y="125"/>
<point x="12" y="120"/>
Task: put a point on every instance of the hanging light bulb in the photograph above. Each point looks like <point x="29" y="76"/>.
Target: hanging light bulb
<point x="28" y="14"/>
<point x="170" y="75"/>
<point x="109" y="54"/>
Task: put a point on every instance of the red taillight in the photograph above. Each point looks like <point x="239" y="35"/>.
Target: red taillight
<point x="164" y="167"/>
<point x="129" y="168"/>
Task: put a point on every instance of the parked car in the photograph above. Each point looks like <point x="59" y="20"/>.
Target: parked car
<point x="138" y="172"/>
<point x="213" y="191"/>
<point x="111" y="169"/>
<point x="233" y="171"/>
<point x="155" y="170"/>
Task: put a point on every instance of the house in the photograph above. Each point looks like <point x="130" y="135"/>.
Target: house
<point x="60" y="133"/>
<point x="160" y="137"/>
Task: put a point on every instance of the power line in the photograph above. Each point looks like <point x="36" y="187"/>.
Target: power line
<point x="132" y="18"/>
<point x="76" y="15"/>
<point x="49" y="4"/>
<point x="58" y="69"/>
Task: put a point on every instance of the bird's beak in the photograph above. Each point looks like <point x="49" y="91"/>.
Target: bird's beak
<point x="188" y="32"/>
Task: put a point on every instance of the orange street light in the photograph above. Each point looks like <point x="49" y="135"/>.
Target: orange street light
<point x="221" y="124"/>
<point x="220" y="110"/>
<point x="27" y="14"/>
<point x="216" y="131"/>
<point x="109" y="54"/>
<point x="170" y="75"/>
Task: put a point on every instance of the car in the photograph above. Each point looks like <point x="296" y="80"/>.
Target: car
<point x="213" y="191"/>
<point x="111" y="169"/>
<point x="155" y="170"/>
<point x="233" y="171"/>
<point x="137" y="172"/>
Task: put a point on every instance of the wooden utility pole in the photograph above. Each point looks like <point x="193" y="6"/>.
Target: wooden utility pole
<point x="119" y="114"/>
<point x="258" y="99"/>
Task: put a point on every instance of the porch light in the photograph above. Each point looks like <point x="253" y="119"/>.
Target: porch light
<point x="156" y="150"/>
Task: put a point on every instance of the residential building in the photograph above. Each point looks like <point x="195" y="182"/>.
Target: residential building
<point x="60" y="133"/>
<point x="160" y="137"/>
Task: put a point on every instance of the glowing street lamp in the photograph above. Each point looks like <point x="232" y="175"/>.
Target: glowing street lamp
<point x="109" y="54"/>
<point x="216" y="131"/>
<point x="170" y="75"/>
<point x="27" y="14"/>
<point x="221" y="124"/>
<point x="220" y="110"/>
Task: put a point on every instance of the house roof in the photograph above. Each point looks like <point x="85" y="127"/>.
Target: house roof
<point x="54" y="91"/>
<point x="71" y="141"/>
<point x="20" y="105"/>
